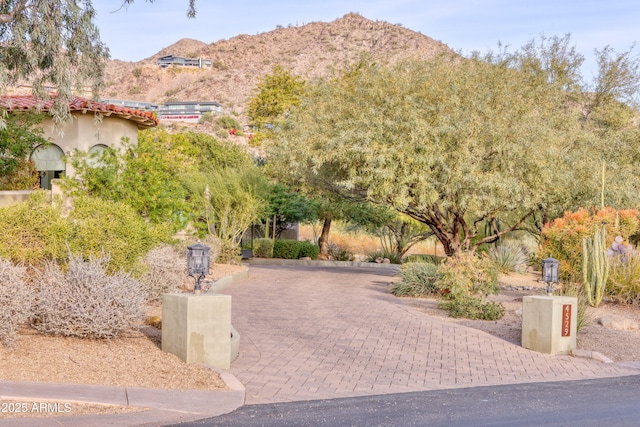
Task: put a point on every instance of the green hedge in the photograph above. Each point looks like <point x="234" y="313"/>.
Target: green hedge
<point x="308" y="249"/>
<point x="286" y="249"/>
<point x="263" y="248"/>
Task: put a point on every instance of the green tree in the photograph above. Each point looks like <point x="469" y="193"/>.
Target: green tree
<point x="275" y="95"/>
<point x="398" y="234"/>
<point x="145" y="176"/>
<point x="289" y="207"/>
<point x="332" y="208"/>
<point x="22" y="133"/>
<point x="229" y="200"/>
<point x="607" y="104"/>
<point x="450" y="142"/>
<point x="153" y="176"/>
<point x="212" y="154"/>
<point x="51" y="43"/>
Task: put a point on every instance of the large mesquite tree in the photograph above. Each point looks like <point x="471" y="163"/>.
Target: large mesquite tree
<point x="453" y="143"/>
<point x="51" y="44"/>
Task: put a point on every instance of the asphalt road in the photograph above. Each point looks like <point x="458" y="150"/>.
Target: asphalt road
<point x="602" y="402"/>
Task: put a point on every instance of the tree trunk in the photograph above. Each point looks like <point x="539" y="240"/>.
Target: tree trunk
<point x="323" y="240"/>
<point x="444" y="239"/>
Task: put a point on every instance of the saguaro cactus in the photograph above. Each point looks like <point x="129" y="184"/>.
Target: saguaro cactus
<point x="595" y="266"/>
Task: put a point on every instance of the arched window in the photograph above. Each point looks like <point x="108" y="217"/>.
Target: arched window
<point x="49" y="160"/>
<point x="95" y="155"/>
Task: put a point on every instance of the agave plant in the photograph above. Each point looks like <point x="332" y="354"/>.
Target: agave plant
<point x="508" y="257"/>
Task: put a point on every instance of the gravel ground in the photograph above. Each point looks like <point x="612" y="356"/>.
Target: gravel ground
<point x="616" y="344"/>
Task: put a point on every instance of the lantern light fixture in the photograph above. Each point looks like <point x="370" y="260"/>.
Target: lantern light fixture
<point x="197" y="263"/>
<point x="550" y="273"/>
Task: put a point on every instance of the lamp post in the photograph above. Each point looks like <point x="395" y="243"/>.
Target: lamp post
<point x="550" y="273"/>
<point x="197" y="263"/>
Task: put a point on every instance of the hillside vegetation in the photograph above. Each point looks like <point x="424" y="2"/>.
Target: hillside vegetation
<point x="311" y="50"/>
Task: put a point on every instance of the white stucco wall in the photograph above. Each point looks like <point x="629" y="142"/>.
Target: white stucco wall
<point x="83" y="133"/>
<point x="8" y="198"/>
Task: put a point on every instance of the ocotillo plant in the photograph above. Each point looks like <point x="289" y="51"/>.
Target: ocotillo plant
<point x="595" y="266"/>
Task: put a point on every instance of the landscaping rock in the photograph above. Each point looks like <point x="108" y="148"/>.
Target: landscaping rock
<point x="618" y="322"/>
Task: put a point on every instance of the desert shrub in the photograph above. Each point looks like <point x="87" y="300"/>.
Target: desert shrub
<point x="286" y="249"/>
<point x="624" y="279"/>
<point x="165" y="270"/>
<point x="215" y="245"/>
<point x="433" y="259"/>
<point x="206" y="117"/>
<point x="16" y="300"/>
<point x="258" y="138"/>
<point x="114" y="228"/>
<point x="263" y="248"/>
<point x="34" y="231"/>
<point x="222" y="134"/>
<point x="562" y="237"/>
<point x="308" y="249"/>
<point x="37" y="231"/>
<point x="472" y="308"/>
<point x="417" y="279"/>
<point x="227" y="122"/>
<point x="229" y="252"/>
<point x="466" y="274"/>
<point x="23" y="177"/>
<point x="393" y="257"/>
<point x="86" y="301"/>
<point x="340" y="253"/>
<point x="508" y="257"/>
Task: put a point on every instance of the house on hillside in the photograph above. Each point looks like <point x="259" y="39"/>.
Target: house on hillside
<point x="135" y="105"/>
<point x="168" y="60"/>
<point x="81" y="133"/>
<point x="187" y="111"/>
<point x="177" y="111"/>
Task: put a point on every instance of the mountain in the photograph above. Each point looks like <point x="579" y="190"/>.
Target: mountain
<point x="312" y="50"/>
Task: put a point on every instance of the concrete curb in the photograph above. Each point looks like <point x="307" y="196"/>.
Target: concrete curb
<point x="319" y="263"/>
<point x="161" y="406"/>
<point x="226" y="281"/>
<point x="632" y="365"/>
<point x="589" y="354"/>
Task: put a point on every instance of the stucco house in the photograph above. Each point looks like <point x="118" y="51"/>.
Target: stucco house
<point x="83" y="132"/>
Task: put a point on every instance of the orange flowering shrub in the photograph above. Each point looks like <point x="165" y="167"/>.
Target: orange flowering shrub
<point x="562" y="237"/>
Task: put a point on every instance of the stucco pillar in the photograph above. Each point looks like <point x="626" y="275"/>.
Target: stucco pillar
<point x="549" y="323"/>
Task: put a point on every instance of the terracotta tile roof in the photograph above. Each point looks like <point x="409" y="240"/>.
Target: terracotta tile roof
<point x="144" y="119"/>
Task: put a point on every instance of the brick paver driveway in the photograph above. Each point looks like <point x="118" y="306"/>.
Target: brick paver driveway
<point x="317" y="332"/>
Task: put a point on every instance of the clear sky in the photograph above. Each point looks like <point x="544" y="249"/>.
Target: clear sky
<point x="142" y="29"/>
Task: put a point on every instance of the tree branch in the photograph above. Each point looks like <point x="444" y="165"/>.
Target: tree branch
<point x="516" y="226"/>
